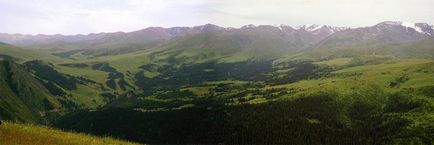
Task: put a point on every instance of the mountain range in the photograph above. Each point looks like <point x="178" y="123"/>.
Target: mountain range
<point x="300" y="37"/>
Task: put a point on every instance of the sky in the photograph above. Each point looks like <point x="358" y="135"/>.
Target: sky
<point x="94" y="16"/>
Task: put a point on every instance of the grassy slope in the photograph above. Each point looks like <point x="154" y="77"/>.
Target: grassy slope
<point x="364" y="78"/>
<point x="86" y="95"/>
<point x="22" y="94"/>
<point x="25" y="55"/>
<point x="221" y="46"/>
<point x="335" y="62"/>
<point x="20" y="134"/>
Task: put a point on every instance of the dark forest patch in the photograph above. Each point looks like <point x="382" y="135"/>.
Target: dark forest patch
<point x="48" y="73"/>
<point x="308" y="120"/>
<point x="75" y="65"/>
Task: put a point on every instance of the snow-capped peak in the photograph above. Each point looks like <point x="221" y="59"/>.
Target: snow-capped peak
<point x="321" y="29"/>
<point x="309" y="27"/>
<point x="281" y="26"/>
<point x="418" y="27"/>
<point x="412" y="25"/>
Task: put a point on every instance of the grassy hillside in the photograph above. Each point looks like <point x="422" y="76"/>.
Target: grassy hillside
<point x="21" y="134"/>
<point x="24" y="98"/>
<point x="29" y="76"/>
<point x="18" y="54"/>
<point x="34" y="90"/>
<point x="388" y="75"/>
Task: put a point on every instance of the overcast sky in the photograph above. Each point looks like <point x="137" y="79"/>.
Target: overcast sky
<point x="92" y="16"/>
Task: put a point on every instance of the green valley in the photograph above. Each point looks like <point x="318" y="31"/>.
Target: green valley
<point x="214" y="85"/>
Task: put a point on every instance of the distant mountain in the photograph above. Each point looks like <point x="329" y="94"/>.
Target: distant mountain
<point x="121" y="42"/>
<point x="248" y="42"/>
<point x="323" y="30"/>
<point x="422" y="28"/>
<point x="372" y="39"/>
<point x="262" y="39"/>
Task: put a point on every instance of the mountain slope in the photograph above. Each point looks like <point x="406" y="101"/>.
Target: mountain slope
<point x="378" y="39"/>
<point x="261" y="39"/>
<point x="15" y="53"/>
<point x="24" y="98"/>
<point x="103" y="43"/>
<point x="420" y="49"/>
<point x="230" y="45"/>
<point x="120" y="42"/>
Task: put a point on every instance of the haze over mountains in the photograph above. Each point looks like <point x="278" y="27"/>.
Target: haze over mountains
<point x="166" y="33"/>
<point x="289" y="38"/>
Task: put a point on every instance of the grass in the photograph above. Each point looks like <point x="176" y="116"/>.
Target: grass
<point x="25" y="55"/>
<point x="335" y="62"/>
<point x="96" y="75"/>
<point x="357" y="79"/>
<point x="387" y="66"/>
<point x="88" y="96"/>
<point x="225" y="82"/>
<point x="198" y="90"/>
<point x="25" y="134"/>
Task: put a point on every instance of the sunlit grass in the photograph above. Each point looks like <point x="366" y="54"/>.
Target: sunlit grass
<point x="20" y="134"/>
<point x="335" y="62"/>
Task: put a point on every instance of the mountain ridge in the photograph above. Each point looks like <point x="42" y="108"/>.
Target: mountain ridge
<point x="307" y="27"/>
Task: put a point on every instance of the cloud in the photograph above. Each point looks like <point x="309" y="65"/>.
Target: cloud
<point x="354" y="13"/>
<point x="84" y="16"/>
